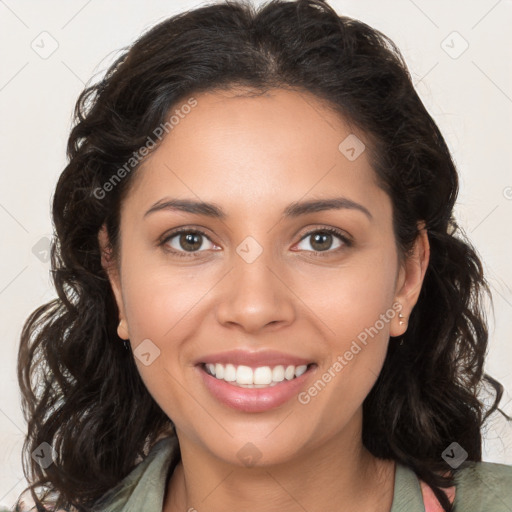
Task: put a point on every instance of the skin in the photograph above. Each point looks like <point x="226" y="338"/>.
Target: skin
<point x="248" y="155"/>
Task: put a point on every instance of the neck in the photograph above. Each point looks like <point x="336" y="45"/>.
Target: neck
<point x="337" y="472"/>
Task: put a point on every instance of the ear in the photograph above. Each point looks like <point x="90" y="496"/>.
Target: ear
<point x="410" y="280"/>
<point x="109" y="265"/>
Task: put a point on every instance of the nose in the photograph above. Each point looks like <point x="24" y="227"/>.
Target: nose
<point x="255" y="296"/>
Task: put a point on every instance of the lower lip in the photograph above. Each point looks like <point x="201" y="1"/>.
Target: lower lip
<point x="254" y="399"/>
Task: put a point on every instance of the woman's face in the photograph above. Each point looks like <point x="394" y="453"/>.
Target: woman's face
<point x="265" y="276"/>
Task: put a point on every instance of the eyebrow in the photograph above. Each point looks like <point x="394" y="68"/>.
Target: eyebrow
<point x="293" y="210"/>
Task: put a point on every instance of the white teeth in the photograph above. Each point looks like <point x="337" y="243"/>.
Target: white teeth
<point x="262" y="376"/>
<point x="229" y="373"/>
<point x="278" y="373"/>
<point x="219" y="370"/>
<point x="289" y="373"/>
<point x="244" y="375"/>
<point x="300" y="370"/>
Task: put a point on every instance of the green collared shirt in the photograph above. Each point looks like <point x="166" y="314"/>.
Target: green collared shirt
<point x="480" y="486"/>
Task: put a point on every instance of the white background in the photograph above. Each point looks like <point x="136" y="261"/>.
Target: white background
<point x="470" y="97"/>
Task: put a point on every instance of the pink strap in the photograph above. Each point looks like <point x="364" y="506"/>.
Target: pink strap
<point x="430" y="500"/>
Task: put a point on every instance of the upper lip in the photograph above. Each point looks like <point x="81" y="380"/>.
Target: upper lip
<point x="254" y="359"/>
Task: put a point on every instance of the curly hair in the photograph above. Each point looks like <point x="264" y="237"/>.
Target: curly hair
<point x="81" y="388"/>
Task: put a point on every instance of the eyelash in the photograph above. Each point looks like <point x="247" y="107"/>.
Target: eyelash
<point x="184" y="254"/>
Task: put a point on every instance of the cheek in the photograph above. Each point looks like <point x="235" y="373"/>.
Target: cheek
<point x="161" y="307"/>
<point x="356" y="348"/>
<point x="351" y="297"/>
<point x="355" y="307"/>
<point x="158" y="299"/>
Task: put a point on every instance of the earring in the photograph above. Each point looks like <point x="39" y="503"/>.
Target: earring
<point x="126" y="345"/>
<point x="401" y="317"/>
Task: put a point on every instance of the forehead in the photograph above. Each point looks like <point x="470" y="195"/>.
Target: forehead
<point x="254" y="150"/>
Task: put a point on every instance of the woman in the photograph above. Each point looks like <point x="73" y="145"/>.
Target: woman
<point x="264" y="299"/>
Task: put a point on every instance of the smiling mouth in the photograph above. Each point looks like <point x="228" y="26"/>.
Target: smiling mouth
<point x="258" y="377"/>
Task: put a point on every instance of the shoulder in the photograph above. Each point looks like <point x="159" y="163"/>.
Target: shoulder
<point x="483" y="486"/>
<point x="144" y="487"/>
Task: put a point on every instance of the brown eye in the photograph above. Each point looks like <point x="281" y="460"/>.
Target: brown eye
<point x="190" y="241"/>
<point x="321" y="240"/>
<point x="185" y="241"/>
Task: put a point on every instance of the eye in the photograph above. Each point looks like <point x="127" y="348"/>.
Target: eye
<point x="322" y="240"/>
<point x="185" y="241"/>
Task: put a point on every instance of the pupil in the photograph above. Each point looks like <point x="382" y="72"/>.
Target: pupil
<point x="189" y="241"/>
<point x="320" y="236"/>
